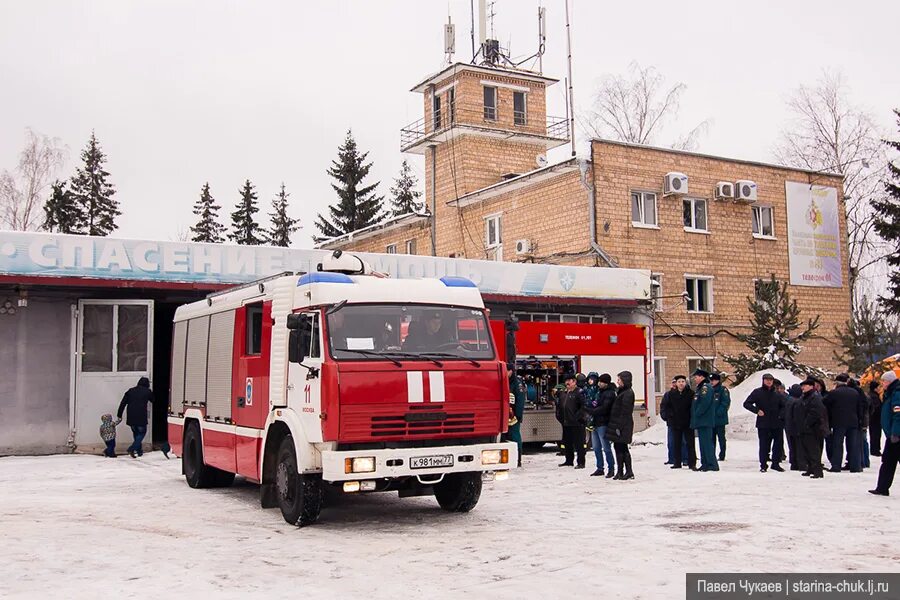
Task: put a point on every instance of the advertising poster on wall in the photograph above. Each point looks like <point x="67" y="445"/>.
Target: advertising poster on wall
<point x="814" y="237"/>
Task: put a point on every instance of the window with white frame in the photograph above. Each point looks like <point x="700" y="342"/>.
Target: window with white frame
<point x="763" y="221"/>
<point x="436" y="111"/>
<point x="492" y="237"/>
<point x="519" y="111"/>
<point x="660" y="385"/>
<point x="391" y="249"/>
<point x="694" y="211"/>
<point x="490" y="103"/>
<point x="643" y="209"/>
<point x="656" y="290"/>
<point x="410" y="246"/>
<point x="700" y="293"/>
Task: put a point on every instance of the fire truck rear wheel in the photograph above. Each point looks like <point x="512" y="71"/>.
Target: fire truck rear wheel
<point x="196" y="472"/>
<point x="459" y="492"/>
<point x="299" y="496"/>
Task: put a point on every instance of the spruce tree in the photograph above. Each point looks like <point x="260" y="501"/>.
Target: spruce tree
<point x="357" y="205"/>
<point x="244" y="229"/>
<point x="887" y="225"/>
<point x="868" y="337"/>
<point x="93" y="193"/>
<point x="61" y="212"/>
<point x="208" y="229"/>
<point x="776" y="333"/>
<point x="405" y="198"/>
<point x="283" y="226"/>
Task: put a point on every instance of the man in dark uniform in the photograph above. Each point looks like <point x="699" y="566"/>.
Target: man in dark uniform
<point x="703" y="420"/>
<point x="136" y="400"/>
<point x="572" y="405"/>
<point x="517" y="395"/>
<point x="722" y="400"/>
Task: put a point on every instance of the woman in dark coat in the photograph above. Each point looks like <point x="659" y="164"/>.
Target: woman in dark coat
<point x="621" y="425"/>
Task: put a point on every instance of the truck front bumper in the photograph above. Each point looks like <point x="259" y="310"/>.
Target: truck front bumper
<point x="406" y="462"/>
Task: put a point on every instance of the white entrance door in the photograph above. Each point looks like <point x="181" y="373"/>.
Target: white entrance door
<point x="114" y="350"/>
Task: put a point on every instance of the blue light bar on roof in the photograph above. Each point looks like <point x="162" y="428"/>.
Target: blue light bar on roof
<point x="324" y="277"/>
<point x="458" y="282"/>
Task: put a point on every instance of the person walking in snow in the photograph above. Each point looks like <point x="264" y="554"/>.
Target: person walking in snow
<point x="600" y="412"/>
<point x="813" y="426"/>
<point x="722" y="401"/>
<point x="572" y="404"/>
<point x="680" y="420"/>
<point x="136" y="400"/>
<point x="768" y="406"/>
<point x="517" y="394"/>
<point x="621" y="425"/>
<point x="890" y="424"/>
<point x="108" y="434"/>
<point x="703" y="420"/>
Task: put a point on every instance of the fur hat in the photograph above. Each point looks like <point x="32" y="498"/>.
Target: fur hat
<point x="605" y="378"/>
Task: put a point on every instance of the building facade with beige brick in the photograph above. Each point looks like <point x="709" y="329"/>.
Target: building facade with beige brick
<point x="491" y="196"/>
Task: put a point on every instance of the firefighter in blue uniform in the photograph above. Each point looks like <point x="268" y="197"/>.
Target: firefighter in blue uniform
<point x="703" y="420"/>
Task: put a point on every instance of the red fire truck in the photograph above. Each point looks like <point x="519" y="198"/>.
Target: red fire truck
<point x="340" y="378"/>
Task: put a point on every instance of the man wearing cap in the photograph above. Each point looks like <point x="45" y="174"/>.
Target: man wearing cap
<point x="722" y="401"/>
<point x="844" y="410"/>
<point x="890" y="424"/>
<point x="429" y="334"/>
<point x="768" y="406"/>
<point x="572" y="405"/>
<point x="813" y="426"/>
<point x="680" y="403"/>
<point x="703" y="420"/>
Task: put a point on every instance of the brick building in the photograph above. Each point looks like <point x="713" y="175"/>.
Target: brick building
<point x="491" y="195"/>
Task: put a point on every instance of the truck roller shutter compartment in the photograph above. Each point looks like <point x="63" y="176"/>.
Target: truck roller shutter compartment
<point x="195" y="362"/>
<point x="221" y="352"/>
<point x="179" y="339"/>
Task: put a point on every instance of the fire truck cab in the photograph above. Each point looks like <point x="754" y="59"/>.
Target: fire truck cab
<point x="340" y="378"/>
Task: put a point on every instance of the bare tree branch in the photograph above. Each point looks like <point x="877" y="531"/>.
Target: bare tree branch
<point x="23" y="191"/>
<point x="635" y="108"/>
<point x="827" y="133"/>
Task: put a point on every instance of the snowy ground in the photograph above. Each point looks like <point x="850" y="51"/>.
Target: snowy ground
<point x="83" y="527"/>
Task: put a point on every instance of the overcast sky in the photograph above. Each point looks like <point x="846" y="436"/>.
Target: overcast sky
<point x="180" y="93"/>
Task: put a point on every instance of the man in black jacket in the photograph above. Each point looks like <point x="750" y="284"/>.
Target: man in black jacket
<point x="136" y="400"/>
<point x="813" y="426"/>
<point x="768" y="406"/>
<point x="874" y="418"/>
<point x="792" y="424"/>
<point x="844" y="408"/>
<point x="572" y="405"/>
<point x="680" y="421"/>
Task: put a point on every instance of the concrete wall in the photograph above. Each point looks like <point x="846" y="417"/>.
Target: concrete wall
<point x="34" y="377"/>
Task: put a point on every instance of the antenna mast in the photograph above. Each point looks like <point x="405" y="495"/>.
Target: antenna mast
<point x="571" y="106"/>
<point x="449" y="40"/>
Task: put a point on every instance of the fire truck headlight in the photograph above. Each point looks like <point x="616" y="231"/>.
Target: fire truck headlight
<point x="494" y="457"/>
<point x="359" y="464"/>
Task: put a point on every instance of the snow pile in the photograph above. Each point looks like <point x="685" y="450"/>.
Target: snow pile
<point x="741" y="422"/>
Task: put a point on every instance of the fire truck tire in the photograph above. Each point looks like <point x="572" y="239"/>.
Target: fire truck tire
<point x="299" y="496"/>
<point x="459" y="492"/>
<point x="196" y="472"/>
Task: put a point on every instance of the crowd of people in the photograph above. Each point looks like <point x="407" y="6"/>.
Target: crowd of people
<point x="808" y="420"/>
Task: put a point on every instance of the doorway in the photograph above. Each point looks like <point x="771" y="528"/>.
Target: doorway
<point x="113" y="350"/>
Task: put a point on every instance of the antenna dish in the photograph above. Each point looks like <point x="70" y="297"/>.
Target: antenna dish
<point x="541" y="161"/>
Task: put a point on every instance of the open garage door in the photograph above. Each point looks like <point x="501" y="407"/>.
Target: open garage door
<point x="113" y="350"/>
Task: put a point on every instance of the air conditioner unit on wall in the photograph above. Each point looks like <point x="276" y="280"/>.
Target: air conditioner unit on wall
<point x="523" y="247"/>
<point x="724" y="190"/>
<point x="745" y="191"/>
<point x="675" y="183"/>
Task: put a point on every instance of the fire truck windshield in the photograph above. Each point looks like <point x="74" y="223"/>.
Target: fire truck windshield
<point x="365" y="331"/>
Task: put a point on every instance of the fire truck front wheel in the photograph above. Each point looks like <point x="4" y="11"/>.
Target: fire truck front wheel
<point x="459" y="492"/>
<point x="299" y="496"/>
<point x="196" y="472"/>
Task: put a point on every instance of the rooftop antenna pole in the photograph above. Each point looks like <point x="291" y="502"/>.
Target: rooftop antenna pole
<point x="449" y="40"/>
<point x="542" y="37"/>
<point x="571" y="106"/>
<point x="472" y="15"/>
